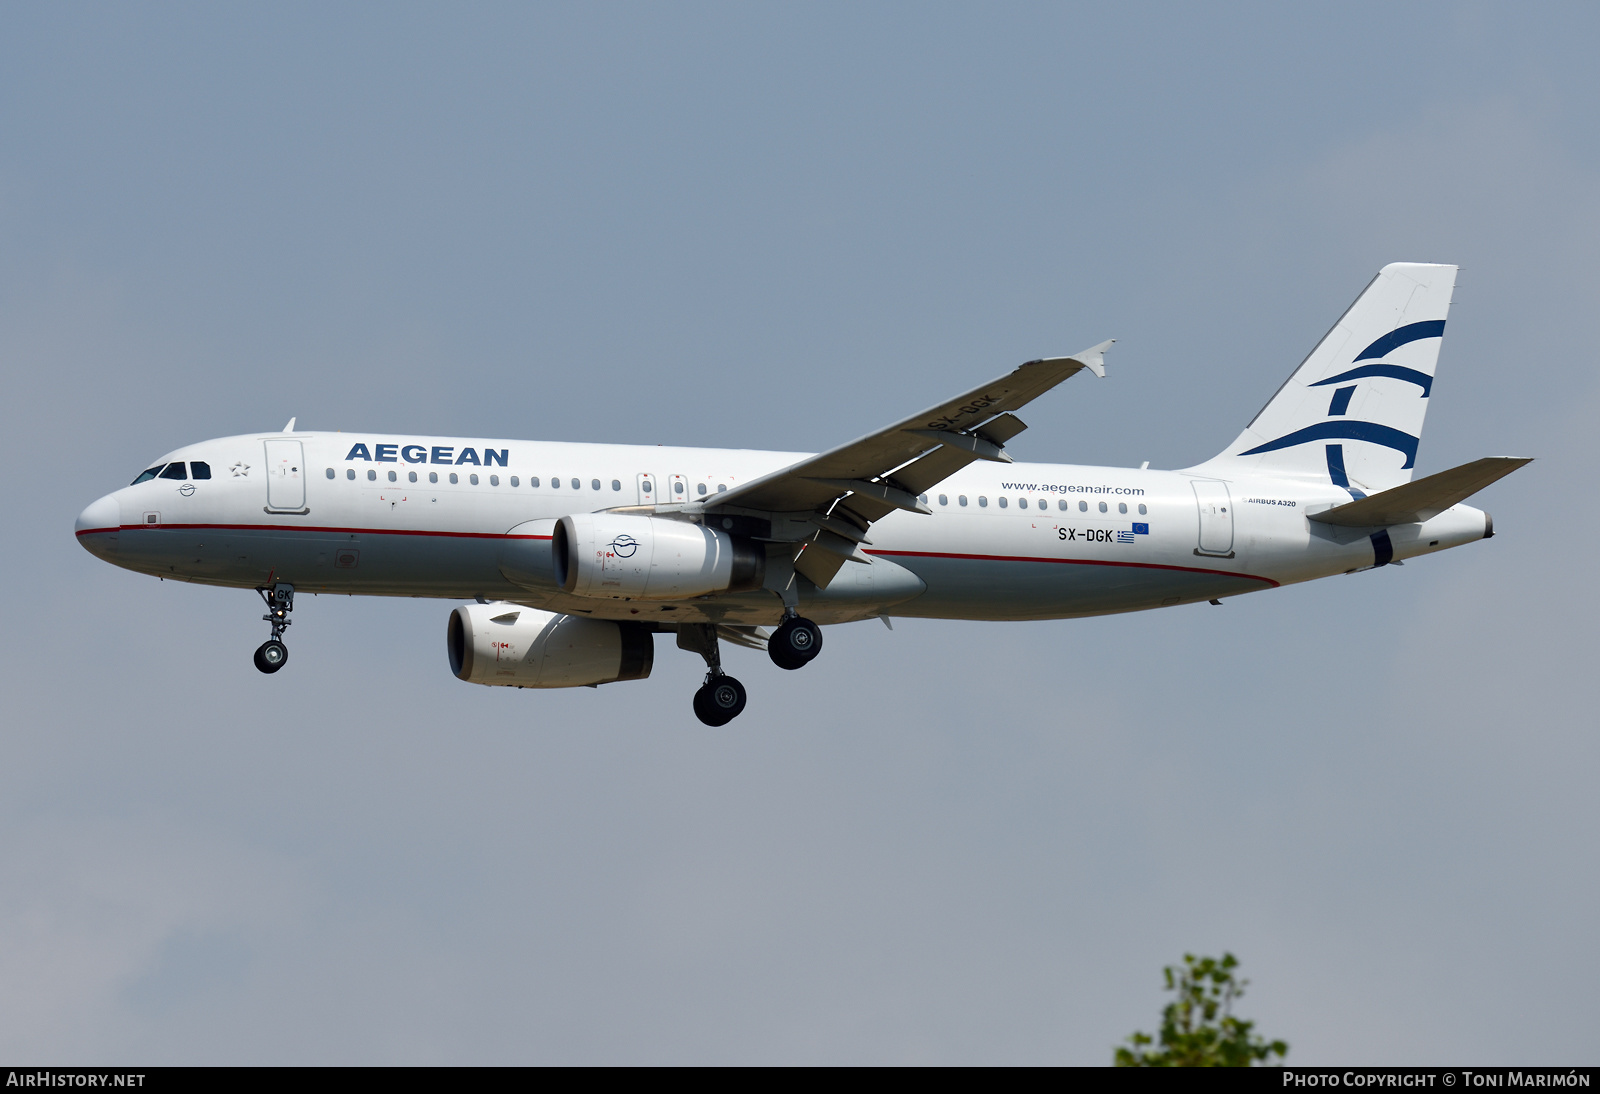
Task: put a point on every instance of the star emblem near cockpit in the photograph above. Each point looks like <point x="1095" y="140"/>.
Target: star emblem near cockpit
<point x="240" y="470"/>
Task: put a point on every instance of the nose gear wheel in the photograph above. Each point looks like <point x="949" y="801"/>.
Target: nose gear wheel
<point x="271" y="656"/>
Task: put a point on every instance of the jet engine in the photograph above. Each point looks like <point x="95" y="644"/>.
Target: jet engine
<point x="529" y="648"/>
<point x="647" y="558"/>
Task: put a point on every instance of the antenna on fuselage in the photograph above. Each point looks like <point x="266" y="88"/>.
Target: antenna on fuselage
<point x="290" y="427"/>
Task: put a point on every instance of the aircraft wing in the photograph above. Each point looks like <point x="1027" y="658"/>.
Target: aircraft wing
<point x="842" y="491"/>
<point x="1423" y="499"/>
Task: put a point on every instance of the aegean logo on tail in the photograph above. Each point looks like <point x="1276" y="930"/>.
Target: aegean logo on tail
<point x="1371" y="432"/>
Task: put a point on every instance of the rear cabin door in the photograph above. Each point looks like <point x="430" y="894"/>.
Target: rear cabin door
<point x="1216" y="518"/>
<point x="286" y="476"/>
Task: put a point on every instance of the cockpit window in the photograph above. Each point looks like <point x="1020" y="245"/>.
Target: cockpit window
<point x="174" y="471"/>
<point x="146" y="476"/>
<point x="199" y="470"/>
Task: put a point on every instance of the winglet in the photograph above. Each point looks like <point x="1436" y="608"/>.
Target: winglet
<point x="1093" y="358"/>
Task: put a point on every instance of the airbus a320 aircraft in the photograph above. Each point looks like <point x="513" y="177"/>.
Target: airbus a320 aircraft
<point x="574" y="556"/>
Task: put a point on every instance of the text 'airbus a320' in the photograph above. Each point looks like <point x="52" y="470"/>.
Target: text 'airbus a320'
<point x="573" y="557"/>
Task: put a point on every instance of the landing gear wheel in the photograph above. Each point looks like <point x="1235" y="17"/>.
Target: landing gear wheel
<point x="795" y="643"/>
<point x="719" y="701"/>
<point x="272" y="656"/>
<point x="279" y="598"/>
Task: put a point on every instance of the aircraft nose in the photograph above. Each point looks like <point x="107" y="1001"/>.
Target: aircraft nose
<point x="100" y="519"/>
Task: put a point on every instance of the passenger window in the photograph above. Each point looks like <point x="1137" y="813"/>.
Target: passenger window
<point x="721" y="488"/>
<point x="174" y="471"/>
<point x="372" y="476"/>
<point x="330" y="472"/>
<point x="494" y="480"/>
<point x="473" y="479"/>
<point x="1002" y="502"/>
<point x="1022" y="503"/>
<point x="1083" y="507"/>
<point x="199" y="470"/>
<point x="146" y="476"/>
<point x="677" y="487"/>
<point x="594" y="484"/>
<point x="575" y="485"/>
<point x="533" y="482"/>
<point x="1122" y="507"/>
<point x="1141" y="509"/>
<point x="412" y="475"/>
<point x="700" y="488"/>
<point x="923" y="498"/>
<point x="391" y="476"/>
<point x="454" y="478"/>
<point x="350" y="473"/>
<point x="944" y="499"/>
<point x="514" y="481"/>
<point x="983" y="502"/>
<point x="645" y="486"/>
<point x="961" y="499"/>
<point x="616" y="484"/>
<point x="1062" y="505"/>
<point x="1102" y="507"/>
<point x="433" y="476"/>
<point x="555" y="483"/>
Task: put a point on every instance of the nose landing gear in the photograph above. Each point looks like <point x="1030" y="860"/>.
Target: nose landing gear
<point x="272" y="654"/>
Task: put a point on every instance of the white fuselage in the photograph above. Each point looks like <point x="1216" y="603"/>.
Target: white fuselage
<point x="465" y="518"/>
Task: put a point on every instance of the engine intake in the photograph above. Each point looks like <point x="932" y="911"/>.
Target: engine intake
<point x="621" y="557"/>
<point x="528" y="648"/>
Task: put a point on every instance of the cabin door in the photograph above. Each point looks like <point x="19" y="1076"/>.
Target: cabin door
<point x="286" y="476"/>
<point x="1216" y="518"/>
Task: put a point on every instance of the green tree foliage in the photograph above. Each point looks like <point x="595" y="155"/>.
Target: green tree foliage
<point x="1198" y="1028"/>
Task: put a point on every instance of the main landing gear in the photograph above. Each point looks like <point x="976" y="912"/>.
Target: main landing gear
<point x="721" y="698"/>
<point x="273" y="654"/>
<point x="795" y="643"/>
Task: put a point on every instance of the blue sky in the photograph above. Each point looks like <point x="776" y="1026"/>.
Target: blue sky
<point x="782" y="226"/>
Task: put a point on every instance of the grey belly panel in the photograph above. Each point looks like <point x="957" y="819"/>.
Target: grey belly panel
<point x="373" y="563"/>
<point x="961" y="588"/>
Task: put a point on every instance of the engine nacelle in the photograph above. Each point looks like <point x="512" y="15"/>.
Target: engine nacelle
<point x="529" y="648"/>
<point x="623" y="557"/>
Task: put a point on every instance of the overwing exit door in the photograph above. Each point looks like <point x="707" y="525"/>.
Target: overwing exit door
<point x="1216" y="518"/>
<point x="647" y="490"/>
<point x="286" y="477"/>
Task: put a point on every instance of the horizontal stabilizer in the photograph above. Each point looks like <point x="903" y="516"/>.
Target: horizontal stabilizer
<point x="1423" y="499"/>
